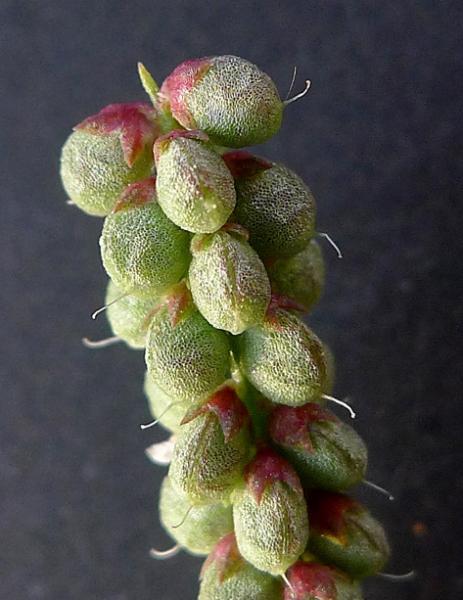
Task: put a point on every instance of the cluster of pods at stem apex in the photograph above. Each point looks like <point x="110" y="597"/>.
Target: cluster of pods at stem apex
<point x="212" y="256"/>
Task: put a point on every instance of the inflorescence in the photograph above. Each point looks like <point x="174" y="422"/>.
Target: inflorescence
<point x="212" y="256"/>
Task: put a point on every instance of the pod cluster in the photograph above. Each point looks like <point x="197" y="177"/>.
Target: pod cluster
<point x="212" y="260"/>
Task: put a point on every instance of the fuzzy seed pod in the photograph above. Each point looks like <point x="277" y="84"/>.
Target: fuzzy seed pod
<point x="195" y="188"/>
<point x="274" y="205"/>
<point x="300" y="277"/>
<point x="227" y="576"/>
<point x="326" y="453"/>
<point x="228" y="281"/>
<point x="107" y="152"/>
<point x="143" y="252"/>
<point x="344" y="533"/>
<point x="168" y="411"/>
<point x="128" y="316"/>
<point x="314" y="581"/>
<point x="203" y="527"/>
<point x="270" y="514"/>
<point x="185" y="355"/>
<point x="229" y="98"/>
<point x="284" y="359"/>
<point x="212" y="449"/>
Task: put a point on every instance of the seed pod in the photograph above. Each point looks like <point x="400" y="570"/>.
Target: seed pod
<point x="270" y="514"/>
<point x="228" y="281"/>
<point x="274" y="205"/>
<point x="300" y="277"/>
<point x="330" y="369"/>
<point x="229" y="98"/>
<point x="143" y="252"/>
<point x="284" y="359"/>
<point x="326" y="453"/>
<point x="225" y="575"/>
<point x="128" y="316"/>
<point x="212" y="449"/>
<point x="168" y="411"/>
<point x="204" y="525"/>
<point x="195" y="188"/>
<point x="185" y="355"/>
<point x="107" y="152"/>
<point x="314" y="581"/>
<point x="344" y="533"/>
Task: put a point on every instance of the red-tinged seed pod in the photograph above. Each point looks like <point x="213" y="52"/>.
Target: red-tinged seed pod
<point x="107" y="152"/>
<point x="327" y="453"/>
<point x="204" y="525"/>
<point x="212" y="449"/>
<point x="315" y="581"/>
<point x="185" y="355"/>
<point x="284" y="359"/>
<point x="300" y="277"/>
<point x="273" y="204"/>
<point x="195" y="188"/>
<point x="344" y="534"/>
<point x="270" y="514"/>
<point x="142" y="251"/>
<point x="228" y="281"/>
<point x="225" y="575"/>
<point x="228" y="97"/>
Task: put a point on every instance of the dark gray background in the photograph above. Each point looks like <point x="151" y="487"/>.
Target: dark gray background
<point x="377" y="139"/>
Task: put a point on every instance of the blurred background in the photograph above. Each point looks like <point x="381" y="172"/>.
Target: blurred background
<point x="378" y="139"/>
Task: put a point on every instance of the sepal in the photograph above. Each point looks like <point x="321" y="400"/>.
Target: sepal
<point x="137" y="194"/>
<point x="134" y="121"/>
<point x="266" y="469"/>
<point x="227" y="407"/>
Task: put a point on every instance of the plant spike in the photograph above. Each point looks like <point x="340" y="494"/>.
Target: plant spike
<point x="213" y="260"/>
<point x="149" y="84"/>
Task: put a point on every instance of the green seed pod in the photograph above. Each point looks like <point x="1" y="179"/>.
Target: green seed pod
<point x="344" y="534"/>
<point x="229" y="98"/>
<point x="300" y="277"/>
<point x="129" y="316"/>
<point x="143" y="252"/>
<point x="314" y="581"/>
<point x="326" y="453"/>
<point x="330" y="369"/>
<point x="228" y="281"/>
<point x="204" y="525"/>
<point x="284" y="359"/>
<point x="107" y="152"/>
<point x="227" y="576"/>
<point x="274" y="205"/>
<point x="168" y="411"/>
<point x="185" y="355"/>
<point x="270" y="514"/>
<point x="195" y="188"/>
<point x="212" y="450"/>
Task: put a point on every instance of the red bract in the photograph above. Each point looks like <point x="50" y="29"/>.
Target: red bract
<point x="277" y="302"/>
<point x="310" y="581"/>
<point x="225" y="556"/>
<point x="328" y="511"/>
<point x="137" y="194"/>
<point x="134" y="121"/>
<point x="178" y="301"/>
<point x="227" y="407"/>
<point x="244" y="164"/>
<point x="178" y="83"/>
<point x="267" y="468"/>
<point x="290" y="426"/>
